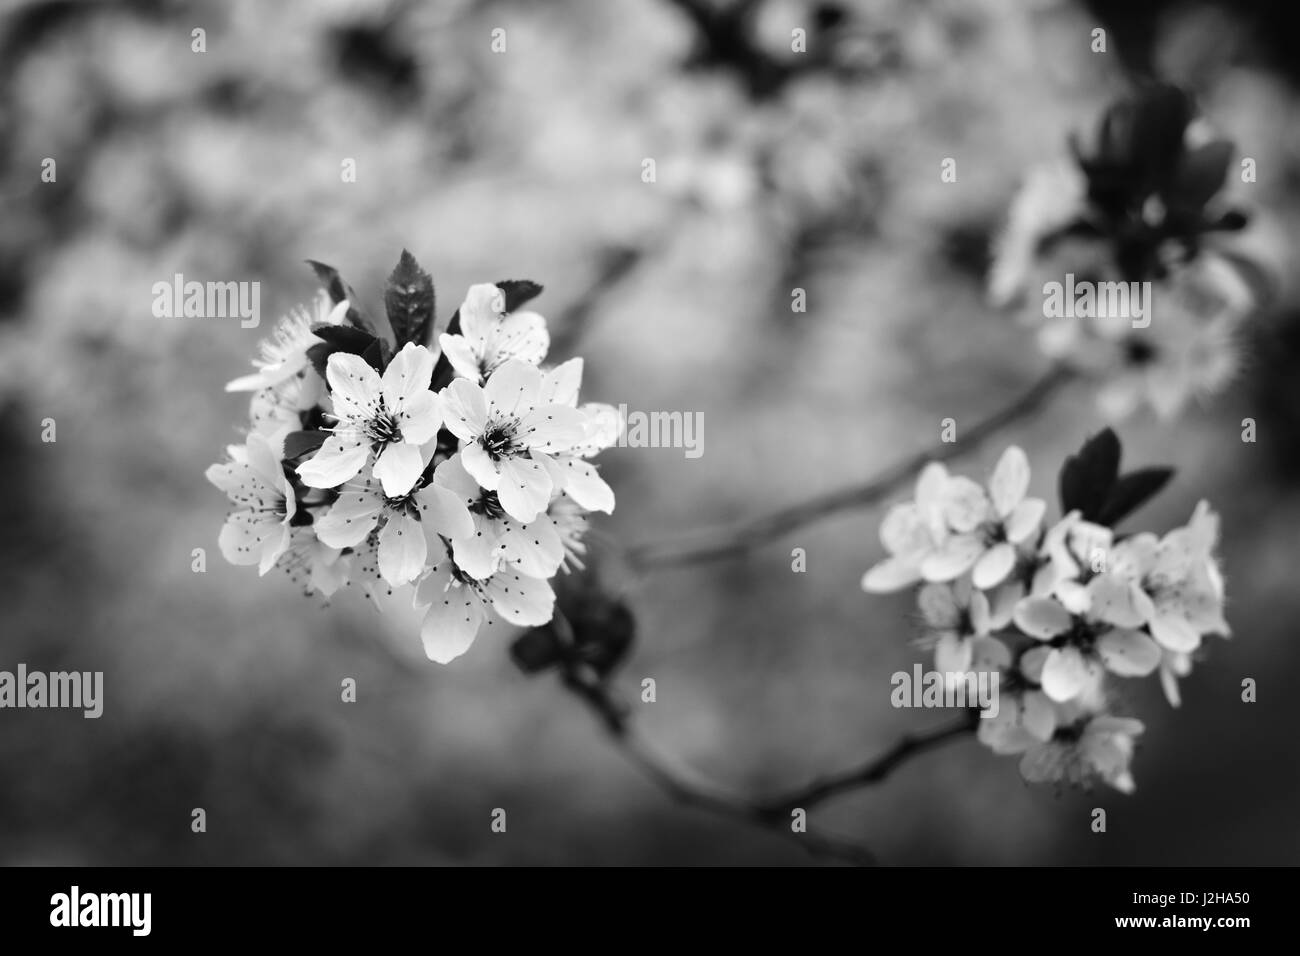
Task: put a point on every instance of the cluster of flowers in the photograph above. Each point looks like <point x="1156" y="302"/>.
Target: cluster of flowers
<point x="459" y="467"/>
<point x="1058" y="609"/>
<point x="1144" y="204"/>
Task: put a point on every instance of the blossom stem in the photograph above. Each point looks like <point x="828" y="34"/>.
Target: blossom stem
<point x="745" y="537"/>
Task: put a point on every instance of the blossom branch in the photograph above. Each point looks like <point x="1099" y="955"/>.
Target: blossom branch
<point x="758" y="531"/>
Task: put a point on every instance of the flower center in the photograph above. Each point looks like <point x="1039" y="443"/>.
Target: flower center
<point x="383" y="428"/>
<point x="499" y="440"/>
<point x="991" y="533"/>
<point x="488" y="505"/>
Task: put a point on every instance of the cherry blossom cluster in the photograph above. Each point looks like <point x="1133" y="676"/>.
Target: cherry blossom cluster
<point x="1142" y="212"/>
<point x="454" y="465"/>
<point x="1059" y="610"/>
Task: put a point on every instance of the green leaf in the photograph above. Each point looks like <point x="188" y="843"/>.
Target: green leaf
<point x="1130" y="492"/>
<point x="339" y="290"/>
<point x="409" y="301"/>
<point x="1086" y="478"/>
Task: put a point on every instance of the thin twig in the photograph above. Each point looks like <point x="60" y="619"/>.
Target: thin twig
<point x="772" y="815"/>
<point x="639" y="753"/>
<point x="751" y="534"/>
<point x="874" y="770"/>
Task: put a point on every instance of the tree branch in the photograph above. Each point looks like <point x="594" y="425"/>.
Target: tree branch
<point x="874" y="770"/>
<point x="773" y="815"/>
<point x="751" y="534"/>
<point x="614" y="716"/>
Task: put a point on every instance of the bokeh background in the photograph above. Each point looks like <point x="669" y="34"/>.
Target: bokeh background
<point x="773" y="172"/>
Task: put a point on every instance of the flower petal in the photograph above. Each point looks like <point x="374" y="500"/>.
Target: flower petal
<point x="534" y="549"/>
<point x="520" y="335"/>
<point x="1038" y="715"/>
<point x="1042" y="618"/>
<point x="451" y="624"/>
<point x="1010" y="481"/>
<point x="584" y="485"/>
<point x="513" y="389"/>
<point x="938" y="605"/>
<point x="519" y="599"/>
<point x="398" y="467"/>
<point x="952" y="559"/>
<point x="407" y="376"/>
<point x="1025" y="519"/>
<point x="480" y="465"/>
<point x="273" y="546"/>
<point x="966" y="505"/>
<point x="352" y="516"/>
<point x="242" y="535"/>
<point x="892" y="574"/>
<point x="952" y="654"/>
<point x="420" y="418"/>
<point x="464" y="409"/>
<point x="1066" y="673"/>
<point x="338" y="460"/>
<point x="993" y="566"/>
<point x="477" y="553"/>
<point x="1174" y="632"/>
<point x="461" y="355"/>
<point x="1128" y="653"/>
<point x="354" y="386"/>
<point x="560" y="385"/>
<point x="402" y="550"/>
<point x="451" y="474"/>
<point x="525" y="488"/>
<point x="553" y="428"/>
<point x="481" y="311"/>
<point x="1119" y="602"/>
<point x="444" y="511"/>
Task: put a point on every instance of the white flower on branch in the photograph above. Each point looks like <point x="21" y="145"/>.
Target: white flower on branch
<point x="284" y="353"/>
<point x="389" y="417"/>
<point x="489" y="337"/>
<point x="257" y="531"/>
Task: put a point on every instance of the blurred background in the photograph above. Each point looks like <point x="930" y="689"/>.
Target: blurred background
<point x="774" y="171"/>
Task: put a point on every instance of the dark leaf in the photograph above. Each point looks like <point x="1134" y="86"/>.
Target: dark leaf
<point x="443" y="373"/>
<point x="330" y="278"/>
<point x="338" y="291"/>
<point x="409" y="302"/>
<point x="297" y="444"/>
<point x="376" y="355"/>
<point x="1086" y="478"/>
<point x="319" y="356"/>
<point x="1130" y="492"/>
<point x="344" y="338"/>
<point x="518" y="292"/>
